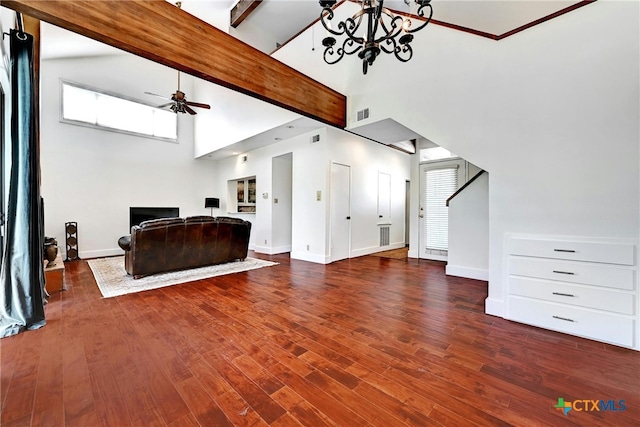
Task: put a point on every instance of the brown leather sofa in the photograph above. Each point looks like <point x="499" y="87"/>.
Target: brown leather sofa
<point x="169" y="244"/>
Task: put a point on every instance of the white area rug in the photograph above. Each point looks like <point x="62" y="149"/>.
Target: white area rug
<point x="113" y="280"/>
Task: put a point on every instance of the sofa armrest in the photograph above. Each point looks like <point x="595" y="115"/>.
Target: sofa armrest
<point x="125" y="243"/>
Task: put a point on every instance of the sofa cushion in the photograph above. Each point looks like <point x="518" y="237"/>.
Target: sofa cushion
<point x="161" y="222"/>
<point x="199" y="218"/>
<point x="230" y="220"/>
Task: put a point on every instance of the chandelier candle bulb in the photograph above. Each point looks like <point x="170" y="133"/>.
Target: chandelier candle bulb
<point x="406" y="25"/>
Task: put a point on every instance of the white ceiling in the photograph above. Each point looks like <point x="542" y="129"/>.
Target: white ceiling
<point x="280" y="20"/>
<point x="283" y="19"/>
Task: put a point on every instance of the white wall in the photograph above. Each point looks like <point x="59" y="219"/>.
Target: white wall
<point x="551" y="112"/>
<point x="311" y="173"/>
<point x="367" y="159"/>
<point x="468" y="254"/>
<point x="233" y="117"/>
<point x="308" y="175"/>
<point x="93" y="176"/>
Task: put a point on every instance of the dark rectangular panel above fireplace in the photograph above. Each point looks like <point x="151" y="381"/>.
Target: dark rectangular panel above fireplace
<point x="138" y="215"/>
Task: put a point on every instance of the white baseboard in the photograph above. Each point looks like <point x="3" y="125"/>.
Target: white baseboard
<point x="280" y="250"/>
<point x="373" y="249"/>
<point x="272" y="250"/>
<point x="466" y="272"/>
<point x="97" y="254"/>
<point x="434" y="257"/>
<point x="494" y="307"/>
<point x="305" y="256"/>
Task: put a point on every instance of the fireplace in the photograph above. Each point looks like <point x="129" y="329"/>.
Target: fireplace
<point x="138" y="215"/>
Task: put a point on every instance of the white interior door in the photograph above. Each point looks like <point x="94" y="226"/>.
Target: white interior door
<point x="438" y="181"/>
<point x="282" y="203"/>
<point x="340" y="208"/>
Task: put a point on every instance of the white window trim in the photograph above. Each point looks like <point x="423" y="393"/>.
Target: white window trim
<point x="107" y="128"/>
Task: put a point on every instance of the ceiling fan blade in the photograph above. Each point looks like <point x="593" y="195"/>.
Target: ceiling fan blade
<point x="155" y="94"/>
<point x="165" y="105"/>
<point x="189" y="109"/>
<point x="199" y="105"/>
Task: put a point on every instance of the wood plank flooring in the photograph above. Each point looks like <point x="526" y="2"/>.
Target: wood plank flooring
<point x="363" y="342"/>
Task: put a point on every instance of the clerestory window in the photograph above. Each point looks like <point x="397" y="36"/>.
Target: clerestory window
<point x="90" y="107"/>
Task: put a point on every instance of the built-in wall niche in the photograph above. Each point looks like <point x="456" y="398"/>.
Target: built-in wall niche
<point x="242" y="195"/>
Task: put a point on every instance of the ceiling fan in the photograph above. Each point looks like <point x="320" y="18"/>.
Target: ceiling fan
<point x="179" y="103"/>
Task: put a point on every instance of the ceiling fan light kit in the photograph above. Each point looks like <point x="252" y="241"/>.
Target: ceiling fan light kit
<point x="179" y="103"/>
<point x="382" y="27"/>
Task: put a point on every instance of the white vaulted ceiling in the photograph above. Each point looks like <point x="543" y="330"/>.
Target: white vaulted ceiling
<point x="280" y="20"/>
<point x="274" y="22"/>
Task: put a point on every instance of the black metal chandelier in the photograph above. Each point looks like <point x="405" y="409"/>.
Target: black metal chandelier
<point x="378" y="19"/>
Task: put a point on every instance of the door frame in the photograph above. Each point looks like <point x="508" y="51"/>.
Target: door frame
<point x="461" y="165"/>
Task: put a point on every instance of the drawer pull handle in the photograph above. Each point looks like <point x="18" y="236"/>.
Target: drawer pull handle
<point x="563" y="318"/>
<point x="564" y="272"/>
<point x="563" y="295"/>
<point x="571" y="251"/>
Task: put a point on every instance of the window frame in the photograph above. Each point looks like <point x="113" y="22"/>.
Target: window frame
<point x="107" y="128"/>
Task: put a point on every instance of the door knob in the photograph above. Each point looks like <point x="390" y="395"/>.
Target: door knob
<point x="348" y="217"/>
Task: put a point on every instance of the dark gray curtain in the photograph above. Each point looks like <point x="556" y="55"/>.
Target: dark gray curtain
<point x="22" y="297"/>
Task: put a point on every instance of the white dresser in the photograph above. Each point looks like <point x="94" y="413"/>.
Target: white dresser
<point x="580" y="286"/>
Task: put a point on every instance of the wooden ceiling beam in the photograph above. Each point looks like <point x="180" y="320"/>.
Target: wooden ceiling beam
<point x="241" y="10"/>
<point x="159" y="31"/>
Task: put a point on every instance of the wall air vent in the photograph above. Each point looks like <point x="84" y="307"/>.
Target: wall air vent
<point x="362" y="114"/>
<point x="384" y="236"/>
<point x="315" y="138"/>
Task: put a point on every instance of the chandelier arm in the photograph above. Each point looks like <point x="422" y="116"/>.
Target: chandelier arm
<point x="391" y="42"/>
<point x="350" y="42"/>
<point x="327" y="13"/>
<point x="398" y="50"/>
<point x="351" y="27"/>
<point x="329" y="52"/>
<point x="404" y="49"/>
<point x="396" y="28"/>
<point x="340" y="52"/>
<point x="421" y="14"/>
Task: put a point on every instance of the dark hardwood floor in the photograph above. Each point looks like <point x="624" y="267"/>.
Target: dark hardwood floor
<point x="366" y="341"/>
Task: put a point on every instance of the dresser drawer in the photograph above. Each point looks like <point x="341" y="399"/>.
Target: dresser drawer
<point x="611" y="253"/>
<point x="585" y="273"/>
<point x="579" y="295"/>
<point x="601" y="326"/>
